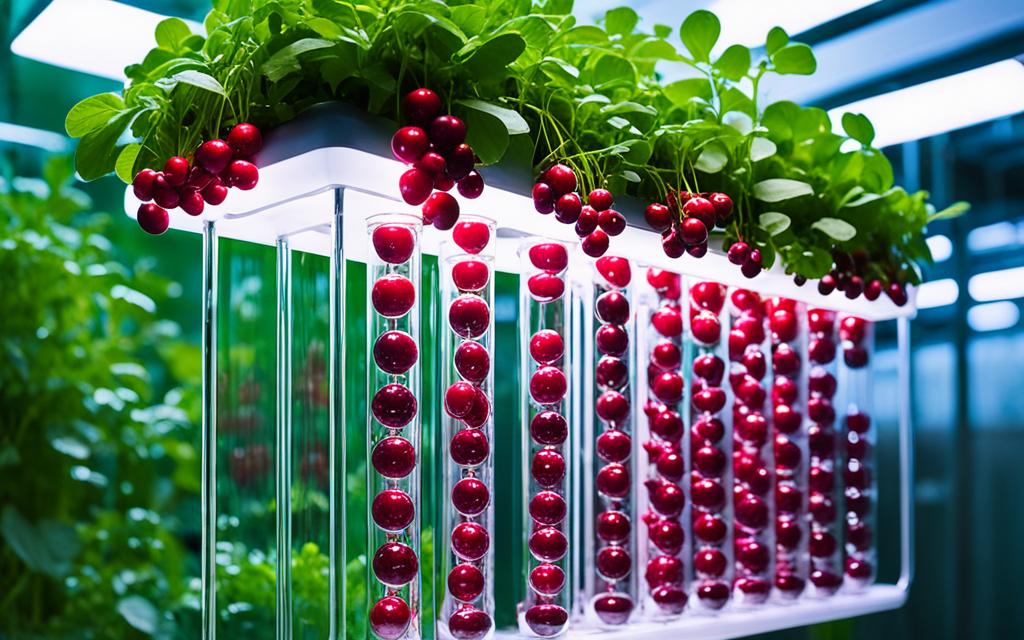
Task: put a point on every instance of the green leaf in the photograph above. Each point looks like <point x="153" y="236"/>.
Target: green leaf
<point x="734" y="62"/>
<point x="952" y="211"/>
<point x="639" y="151"/>
<point x="713" y="158"/>
<point x="92" y="113"/>
<point x="494" y="55"/>
<point x="172" y="33"/>
<point x="198" y="79"/>
<point x="612" y="69"/>
<point x="286" y="60"/>
<point x="858" y="127"/>
<point x="739" y="121"/>
<point x="835" y="228"/>
<point x="779" y="189"/>
<point x="681" y="92"/>
<point x="621" y="20"/>
<point x="777" y="38"/>
<point x="47" y="547"/>
<point x="139" y="613"/>
<point x="98" y="151"/>
<point x="761" y="148"/>
<point x="662" y="31"/>
<point x="514" y="123"/>
<point x="796" y="59"/>
<point x="631" y="176"/>
<point x="655" y="50"/>
<point x="125" y="165"/>
<point x="774" y="222"/>
<point x="812" y="262"/>
<point x="489" y="127"/>
<point x="699" y="33"/>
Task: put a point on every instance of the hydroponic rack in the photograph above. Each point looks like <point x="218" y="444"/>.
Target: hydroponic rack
<point x="322" y="176"/>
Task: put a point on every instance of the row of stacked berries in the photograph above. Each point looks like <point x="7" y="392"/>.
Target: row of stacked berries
<point x="434" y="145"/>
<point x="216" y="166"/>
<point x="847" y="275"/>
<point x="595" y="221"/>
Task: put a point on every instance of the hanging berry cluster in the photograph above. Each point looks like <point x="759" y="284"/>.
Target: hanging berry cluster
<point x="594" y="221"/>
<point x="849" y="275"/>
<point x="216" y="166"/>
<point x="434" y="144"/>
<point x="686" y="220"/>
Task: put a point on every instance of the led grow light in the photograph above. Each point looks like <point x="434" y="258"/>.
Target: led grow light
<point x="1003" y="284"/>
<point x="46" y="140"/>
<point x="937" y="293"/>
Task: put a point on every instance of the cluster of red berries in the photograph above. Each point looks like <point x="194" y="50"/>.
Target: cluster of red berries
<point x="686" y="221"/>
<point x="434" y="145"/>
<point x="216" y="166"/>
<point x="847" y="275"/>
<point x="595" y="221"/>
<point x="748" y="259"/>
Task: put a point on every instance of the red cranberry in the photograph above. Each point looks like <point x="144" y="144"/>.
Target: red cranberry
<point x="668" y="387"/>
<point x="546" y="620"/>
<point x="613" y="608"/>
<point x="855" y="357"/>
<point x="142" y="185"/>
<point x="392" y="510"/>
<point x="750" y="392"/>
<point x="658" y="216"/>
<point x="613" y="307"/>
<point x="613" y="222"/>
<point x="786" y="420"/>
<point x="613" y="480"/>
<point x="709" y="460"/>
<point x="821" y="507"/>
<point x="471" y="237"/>
<point x="548" y="468"/>
<point x="856" y="475"/>
<point x="787" y="453"/>
<point x="753" y="556"/>
<point x="245" y="140"/>
<point x="152" y="218"/>
<point x="431" y="162"/>
<point x="395" y="564"/>
<point x="709" y="562"/>
<point x="469" y="447"/>
<point x="784" y="390"/>
<point x="752" y="428"/>
<point x="611" y="373"/>
<point x="858" y="422"/>
<point x="821" y="410"/>
<point x="821" y="441"/>
<point x="672" y="243"/>
<point x="784" y="325"/>
<point x="873" y="290"/>
<point x="394" y="243"/>
<point x="471" y="275"/>
<point x="595" y="244"/>
<point x="707" y="494"/>
<point x="709" y="296"/>
<point x="613" y="526"/>
<point x="465" y="582"/>
<point x="821" y="350"/>
<point x="713" y="595"/>
<point x="546" y="346"/>
<point x="393" y="295"/>
<point x="587" y="222"/>
<point x="545" y="287"/>
<point x="543" y="198"/>
<point x="858" y="535"/>
<point x="547" y="385"/>
<point x="664" y="569"/>
<point x="614" y="445"/>
<point x="447" y="132"/>
<point x="612" y="339"/>
<point x="549" y="256"/>
<point x="393" y="457"/>
<point x="752" y="512"/>
<point x="470" y="496"/>
<point x="785" y="360"/>
<point x="472" y="361"/>
<point x="421" y="106"/>
<point x="666" y="355"/>
<point x="214" y="156"/>
<point x="706" y="327"/>
<point x="671" y="599"/>
<point x="710" y="400"/>
<point x="548" y="544"/>
<point x="568" y="207"/>
<point x="668" y="425"/>
<point x="821" y="320"/>
<point x="789" y="583"/>
<point x="614" y="563"/>
<point x="459" y="162"/>
<point x="759" y="481"/>
<point x="851" y="328"/>
<point x="788" y="498"/>
<point x="549" y="428"/>
<point x="709" y="528"/>
<point x="856" y="446"/>
<point x="821" y="479"/>
<point x="469" y="316"/>
<point x="693" y="231"/>
<point x="393" y="405"/>
<point x="175" y="171"/>
<point x="600" y="199"/>
<point x="561" y="178"/>
<point x="547" y="579"/>
<point x="191" y="202"/>
<point x="415" y="185"/>
<point x="666" y="535"/>
<point x="215" y="192"/>
<point x="709" y="429"/>
<point x="408" y="145"/>
<point x="480" y="411"/>
<point x="666" y="498"/>
<point x="547" y="508"/>
<point x="615" y="270"/>
<point x="664" y="282"/>
<point x="395" y="352"/>
<point x="826" y="581"/>
<point x="390" y="617"/>
<point x="709" y="367"/>
<point x="755" y="591"/>
<point x="787" y="533"/>
<point x="469" y="623"/>
<point x="164" y="193"/>
<point x="470" y="541"/>
<point x="822" y="544"/>
<point x="859" y="569"/>
<point x="668" y="321"/>
<point x="822" y="382"/>
<point x="738" y="253"/>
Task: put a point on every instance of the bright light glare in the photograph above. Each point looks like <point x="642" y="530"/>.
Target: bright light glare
<point x="993" y="316"/>
<point x="47" y="140"/>
<point x="744" y="24"/>
<point x="99" y="37"/>
<point x="937" y="293"/>
<point x="997" y="285"/>
<point x="950" y="103"/>
<point x="992" y="236"/>
<point x="941" y="248"/>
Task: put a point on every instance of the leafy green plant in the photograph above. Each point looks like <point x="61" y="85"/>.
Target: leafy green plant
<point x="536" y="87"/>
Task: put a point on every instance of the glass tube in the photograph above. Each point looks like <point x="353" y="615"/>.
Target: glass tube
<point x="857" y="337"/>
<point x="393" y="425"/>
<point x="710" y="427"/>
<point x="612" y="598"/>
<point x="823" y="537"/>
<point x="752" y="475"/>
<point x="544" y="341"/>
<point x="661" y="430"/>
<point x="789" y="445"/>
<point x="467" y="291"/>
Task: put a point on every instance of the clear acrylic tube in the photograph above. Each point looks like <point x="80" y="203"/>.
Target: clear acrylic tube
<point x="393" y="425"/>
<point x="612" y="597"/>
<point x="857" y="337"/>
<point x="823" y="545"/>
<point x="467" y="289"/>
<point x="789" y="445"/>
<point x="710" y="438"/>
<point x="544" y="343"/>
<point x="752" y="473"/>
<point x="661" y="430"/>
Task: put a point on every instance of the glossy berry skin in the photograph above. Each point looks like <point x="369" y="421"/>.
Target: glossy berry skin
<point x="465" y="582"/>
<point x="447" y="132"/>
<point x="393" y="406"/>
<point x="670" y="599"/>
<point x="613" y="609"/>
<point x="568" y="207"/>
<point x="595" y="244"/>
<point x="611" y="221"/>
<point x="666" y="355"/>
<point x="612" y="407"/>
<point x="710" y="400"/>
<point x="469" y="623"/>
<point x="470" y="541"/>
<point x="672" y="244"/>
<point x="390" y="617"/>
<point x="587" y="222"/>
<point x="615" y="270"/>
<point x="548" y="468"/>
<point x="611" y="373"/>
<point x="548" y="544"/>
<point x="611" y="339"/>
<point x="472" y="361"/>
<point x="471" y="236"/>
<point x="709" y="562"/>
<point x="547" y="508"/>
<point x="142" y="185"/>
<point x="662" y="569"/>
<point x="701" y="209"/>
<point x="666" y="498"/>
<point x="709" y="528"/>
<point x="546" y="620"/>
<point x="547" y="346"/>
<point x="613" y="481"/>
<point x="613" y="526"/>
<point x="469" y="447"/>
<point x="395" y="352"/>
<point x="600" y="199"/>
<point x="668" y="425"/>
<point x="152" y="218"/>
<point x="752" y="512"/>
<point x="469" y="316"/>
<point x="164" y="193"/>
<point x="176" y="171"/>
<point x="613" y="307"/>
<point x="706" y="327"/>
<point x="667" y="536"/>
<point x="393" y="457"/>
<point x="707" y="494"/>
<point x="549" y="428"/>
<point x="471" y="186"/>
<point x="547" y="579"/>
<point x="693" y="231"/>
<point x="214" y="193"/>
<point x="561" y="178"/>
<point x="668" y="321"/>
<point x="441" y="210"/>
<point x="421" y="106"/>
<point x="415" y="186"/>
<point x="548" y="385"/>
<point x="471" y="275"/>
<point x="709" y="367"/>
<point x="470" y="496"/>
<point x="459" y="399"/>
<point x="545" y="287"/>
<point x="198" y="178"/>
<point x="549" y="256"/>
<point x="245" y="140"/>
<point x="395" y="564"/>
<point x="738" y="253"/>
<point x="614" y="445"/>
<point x="722" y="205"/>
<point x="459" y="162"/>
<point x="393" y="243"/>
<point x="543" y="198"/>
<point x="392" y="510"/>
<point x="242" y="174"/>
<point x="431" y="162"/>
<point x="214" y="156"/>
<point x="191" y="202"/>
<point x="613" y="563"/>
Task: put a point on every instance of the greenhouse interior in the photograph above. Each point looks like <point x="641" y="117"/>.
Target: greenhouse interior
<point x="495" y="319"/>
